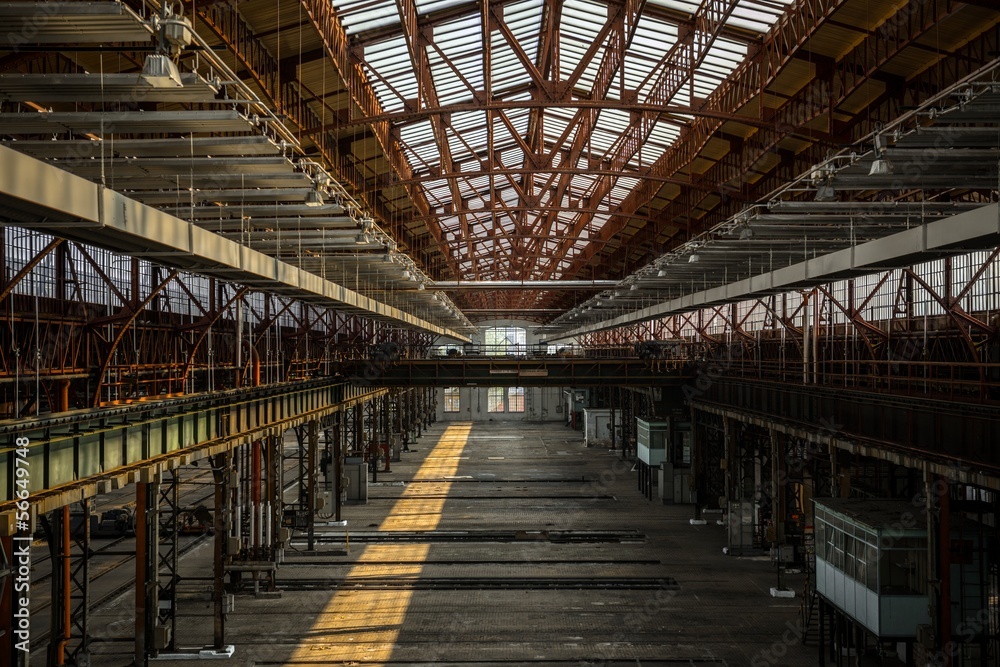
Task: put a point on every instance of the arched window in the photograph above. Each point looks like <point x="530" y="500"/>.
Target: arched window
<point x="505" y="341"/>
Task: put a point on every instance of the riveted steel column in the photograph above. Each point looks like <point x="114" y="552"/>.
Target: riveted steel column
<point x="146" y="574"/>
<point x="311" y="459"/>
<point x="222" y="470"/>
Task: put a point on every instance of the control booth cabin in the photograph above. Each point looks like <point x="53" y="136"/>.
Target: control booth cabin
<point x="664" y="445"/>
<point x="874" y="568"/>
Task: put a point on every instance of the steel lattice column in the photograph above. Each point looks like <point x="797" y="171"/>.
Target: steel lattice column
<point x="146" y="570"/>
<point x="312" y="460"/>
<point x="7" y="569"/>
<point x="223" y="473"/>
<point x="273" y="485"/>
<point x="69" y="638"/>
<point x="167" y="576"/>
<point x="358" y="430"/>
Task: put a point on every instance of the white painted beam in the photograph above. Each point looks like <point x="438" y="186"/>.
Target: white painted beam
<point x="41" y="197"/>
<point x="964" y="232"/>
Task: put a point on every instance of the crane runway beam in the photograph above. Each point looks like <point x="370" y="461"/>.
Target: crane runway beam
<point x="80" y="454"/>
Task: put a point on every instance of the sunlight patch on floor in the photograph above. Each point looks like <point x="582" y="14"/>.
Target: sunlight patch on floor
<point x="363" y="625"/>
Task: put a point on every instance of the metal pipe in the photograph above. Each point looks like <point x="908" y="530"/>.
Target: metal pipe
<point x="522" y="284"/>
<point x="815" y="336"/>
<point x="806" y="344"/>
<point x="267" y="526"/>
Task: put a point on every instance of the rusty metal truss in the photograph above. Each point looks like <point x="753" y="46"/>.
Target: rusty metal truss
<point x="489" y="140"/>
<point x="87" y="328"/>
<point x="929" y="331"/>
<point x="556" y="140"/>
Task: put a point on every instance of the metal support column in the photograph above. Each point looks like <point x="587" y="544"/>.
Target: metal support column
<point x="939" y="546"/>
<point x="612" y="394"/>
<point x="58" y="535"/>
<point x="222" y="469"/>
<point x="273" y="486"/>
<point x="311" y="461"/>
<point x="165" y="629"/>
<point x="147" y="541"/>
<point x="8" y="652"/>
<point x="358" y="432"/>
<point x="418" y="412"/>
<point x="338" y="464"/>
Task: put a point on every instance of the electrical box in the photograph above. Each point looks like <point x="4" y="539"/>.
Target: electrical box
<point x="597" y="426"/>
<point x="161" y="637"/>
<point x="356" y="472"/>
<point x="296" y="519"/>
<point x="742" y="527"/>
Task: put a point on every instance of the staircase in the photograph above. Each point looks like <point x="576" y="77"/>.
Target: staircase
<point x="809" y="607"/>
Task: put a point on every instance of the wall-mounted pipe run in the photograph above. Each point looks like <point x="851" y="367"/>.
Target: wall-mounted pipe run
<point x="453" y="285"/>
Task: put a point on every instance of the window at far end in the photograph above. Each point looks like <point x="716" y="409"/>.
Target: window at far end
<point x="515" y="399"/>
<point x="506" y="341"/>
<point x="452" y="402"/>
<point x="494" y="399"/>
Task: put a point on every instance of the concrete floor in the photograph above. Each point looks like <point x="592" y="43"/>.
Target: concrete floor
<point x="533" y="550"/>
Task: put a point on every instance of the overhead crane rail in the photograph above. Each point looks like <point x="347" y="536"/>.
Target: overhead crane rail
<point x="522" y="372"/>
<point x="83" y="453"/>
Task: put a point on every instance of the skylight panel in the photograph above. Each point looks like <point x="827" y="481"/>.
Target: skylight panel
<point x="687" y="6"/>
<point x="512" y="157"/>
<point x="361" y="16"/>
<point x="431" y="6"/>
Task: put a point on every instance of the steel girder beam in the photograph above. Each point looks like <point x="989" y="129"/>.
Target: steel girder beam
<point x="586" y="107"/>
<point x="47" y="199"/>
<point x="416" y="46"/>
<point x="616" y="35"/>
<point x="952" y="356"/>
<point x="978" y="228"/>
<point x="534" y="373"/>
<point x="224" y="21"/>
<point x="675" y="69"/>
<point x="527" y="171"/>
<point x="84" y="453"/>
<point x="760" y="69"/>
<point x="324" y="19"/>
<point x="868" y="424"/>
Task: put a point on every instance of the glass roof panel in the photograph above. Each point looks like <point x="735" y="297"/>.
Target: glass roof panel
<point x="457" y="59"/>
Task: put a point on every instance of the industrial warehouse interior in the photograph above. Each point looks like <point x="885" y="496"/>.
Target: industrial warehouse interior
<point x="502" y="333"/>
